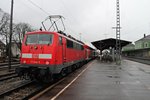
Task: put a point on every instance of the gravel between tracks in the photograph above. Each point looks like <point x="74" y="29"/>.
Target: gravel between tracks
<point x="22" y="93"/>
<point x="7" y="84"/>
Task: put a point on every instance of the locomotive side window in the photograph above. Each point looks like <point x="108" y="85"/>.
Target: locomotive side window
<point x="60" y="40"/>
<point x="74" y="45"/>
<point x="39" y="39"/>
<point x="69" y="44"/>
<point x="82" y="48"/>
<point x="78" y="47"/>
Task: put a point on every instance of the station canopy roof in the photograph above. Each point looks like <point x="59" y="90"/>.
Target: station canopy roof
<point x="110" y="42"/>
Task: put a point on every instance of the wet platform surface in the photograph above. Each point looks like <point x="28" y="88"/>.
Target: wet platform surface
<point x="107" y="81"/>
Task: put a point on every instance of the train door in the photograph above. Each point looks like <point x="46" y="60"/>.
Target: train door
<point x="63" y="48"/>
<point x="87" y="54"/>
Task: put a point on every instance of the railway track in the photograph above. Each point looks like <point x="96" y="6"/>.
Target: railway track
<point x="57" y="86"/>
<point x="5" y="75"/>
<point x="139" y="59"/>
<point x="9" y="83"/>
<point x="5" y="64"/>
<point x="8" y="76"/>
<point x="22" y="91"/>
<point x="26" y="90"/>
<point x="6" y="95"/>
<point x="6" y="67"/>
<point x="42" y="90"/>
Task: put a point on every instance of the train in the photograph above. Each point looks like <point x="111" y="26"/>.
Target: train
<point x="46" y="54"/>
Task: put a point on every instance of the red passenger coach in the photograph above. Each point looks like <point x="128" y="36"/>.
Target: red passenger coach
<point x="45" y="54"/>
<point x="88" y="52"/>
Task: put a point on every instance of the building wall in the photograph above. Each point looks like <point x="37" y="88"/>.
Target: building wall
<point x="128" y="47"/>
<point x="139" y="44"/>
<point x="146" y="43"/>
<point x="142" y="44"/>
<point x="142" y="49"/>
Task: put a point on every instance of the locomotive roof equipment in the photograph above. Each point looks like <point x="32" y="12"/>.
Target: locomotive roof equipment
<point x="54" y="23"/>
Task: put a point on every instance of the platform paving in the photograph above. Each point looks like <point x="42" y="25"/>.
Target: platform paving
<point x="107" y="81"/>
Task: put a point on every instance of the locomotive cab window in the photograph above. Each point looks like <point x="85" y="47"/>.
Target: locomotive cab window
<point x="39" y="39"/>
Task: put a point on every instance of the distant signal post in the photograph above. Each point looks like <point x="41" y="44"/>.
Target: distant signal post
<point x="118" y="44"/>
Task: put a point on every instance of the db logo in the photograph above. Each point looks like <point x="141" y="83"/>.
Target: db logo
<point x="35" y="56"/>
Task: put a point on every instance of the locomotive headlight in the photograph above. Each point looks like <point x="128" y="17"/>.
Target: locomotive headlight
<point x="24" y="61"/>
<point x="47" y="62"/>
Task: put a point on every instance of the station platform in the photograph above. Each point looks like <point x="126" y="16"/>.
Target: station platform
<point x="107" y="81"/>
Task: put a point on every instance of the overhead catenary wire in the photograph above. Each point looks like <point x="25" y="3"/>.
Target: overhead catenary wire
<point x="38" y="7"/>
<point x="65" y="7"/>
<point x="26" y="5"/>
<point x="75" y="20"/>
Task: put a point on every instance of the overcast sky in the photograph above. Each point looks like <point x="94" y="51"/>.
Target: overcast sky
<point x="93" y="18"/>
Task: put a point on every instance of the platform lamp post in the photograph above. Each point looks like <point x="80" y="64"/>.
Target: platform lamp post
<point x="10" y="37"/>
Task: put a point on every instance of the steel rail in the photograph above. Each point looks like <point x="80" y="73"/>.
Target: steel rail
<point x="6" y="67"/>
<point x="5" y="93"/>
<point x="13" y="63"/>
<point x="8" y="77"/>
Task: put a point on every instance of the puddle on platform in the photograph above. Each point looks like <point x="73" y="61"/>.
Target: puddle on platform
<point x="113" y="76"/>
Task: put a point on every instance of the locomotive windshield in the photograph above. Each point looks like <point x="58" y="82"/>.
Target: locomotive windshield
<point x="39" y="39"/>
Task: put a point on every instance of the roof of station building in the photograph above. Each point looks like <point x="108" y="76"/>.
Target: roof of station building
<point x="144" y="38"/>
<point x="107" y="43"/>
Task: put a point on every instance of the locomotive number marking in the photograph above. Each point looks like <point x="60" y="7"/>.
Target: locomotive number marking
<point x="35" y="56"/>
<point x="40" y="56"/>
<point x="26" y="55"/>
<point x="45" y="56"/>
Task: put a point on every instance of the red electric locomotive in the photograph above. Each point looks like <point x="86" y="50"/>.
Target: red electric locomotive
<point x="45" y="54"/>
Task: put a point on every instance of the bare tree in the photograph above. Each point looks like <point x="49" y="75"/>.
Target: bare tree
<point x="20" y="31"/>
<point x="4" y="29"/>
